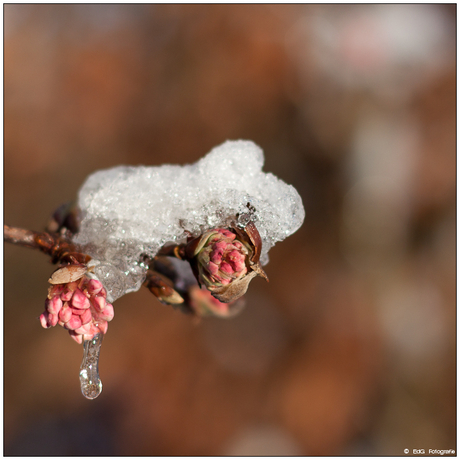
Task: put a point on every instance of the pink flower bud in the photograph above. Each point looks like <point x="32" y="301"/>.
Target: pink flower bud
<point x="219" y="259"/>
<point x="227" y="233"/>
<point x="53" y="305"/>
<point x="106" y="314"/>
<point x="225" y="261"/>
<point x="86" y="317"/>
<point x="94" y="287"/>
<point x="213" y="268"/>
<point x="66" y="313"/>
<point x="226" y="268"/>
<point x="73" y="323"/>
<point x="79" y="300"/>
<point x="52" y="319"/>
<point x="80" y="306"/>
<point x="44" y="320"/>
<point x="98" y="302"/>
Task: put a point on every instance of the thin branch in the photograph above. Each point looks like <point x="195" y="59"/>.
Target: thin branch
<point x="55" y="245"/>
<point x="20" y="236"/>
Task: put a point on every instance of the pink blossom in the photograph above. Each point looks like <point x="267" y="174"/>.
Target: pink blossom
<point x="80" y="307"/>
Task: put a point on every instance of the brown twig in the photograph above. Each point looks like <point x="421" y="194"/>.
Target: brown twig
<point x="55" y="245"/>
<point x="62" y="250"/>
<point x="19" y="236"/>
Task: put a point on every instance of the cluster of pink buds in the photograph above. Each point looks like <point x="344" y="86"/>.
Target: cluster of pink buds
<point x="80" y="306"/>
<point x="225" y="261"/>
<point x="221" y="258"/>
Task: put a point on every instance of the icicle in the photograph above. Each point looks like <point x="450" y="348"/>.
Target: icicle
<point x="90" y="383"/>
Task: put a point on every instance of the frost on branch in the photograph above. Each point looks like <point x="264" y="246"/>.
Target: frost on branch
<point x="129" y="212"/>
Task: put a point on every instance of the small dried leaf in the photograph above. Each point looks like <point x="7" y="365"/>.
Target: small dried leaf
<point x="259" y="270"/>
<point x="194" y="246"/>
<point x="254" y="236"/>
<point x="67" y="274"/>
<point x="234" y="290"/>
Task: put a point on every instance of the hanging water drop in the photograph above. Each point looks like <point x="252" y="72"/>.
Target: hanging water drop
<point x="90" y="383"/>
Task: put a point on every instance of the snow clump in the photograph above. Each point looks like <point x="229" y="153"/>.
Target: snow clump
<point x="129" y="211"/>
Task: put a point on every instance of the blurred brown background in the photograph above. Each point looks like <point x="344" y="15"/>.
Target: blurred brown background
<point x="351" y="347"/>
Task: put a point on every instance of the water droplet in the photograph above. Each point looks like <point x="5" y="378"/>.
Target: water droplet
<point x="90" y="383"/>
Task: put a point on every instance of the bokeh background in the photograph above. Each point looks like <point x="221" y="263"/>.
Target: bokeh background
<point x="351" y="347"/>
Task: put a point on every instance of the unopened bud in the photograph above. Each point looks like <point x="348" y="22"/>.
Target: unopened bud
<point x="79" y="300"/>
<point x="53" y="305"/>
<point x="225" y="261"/>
